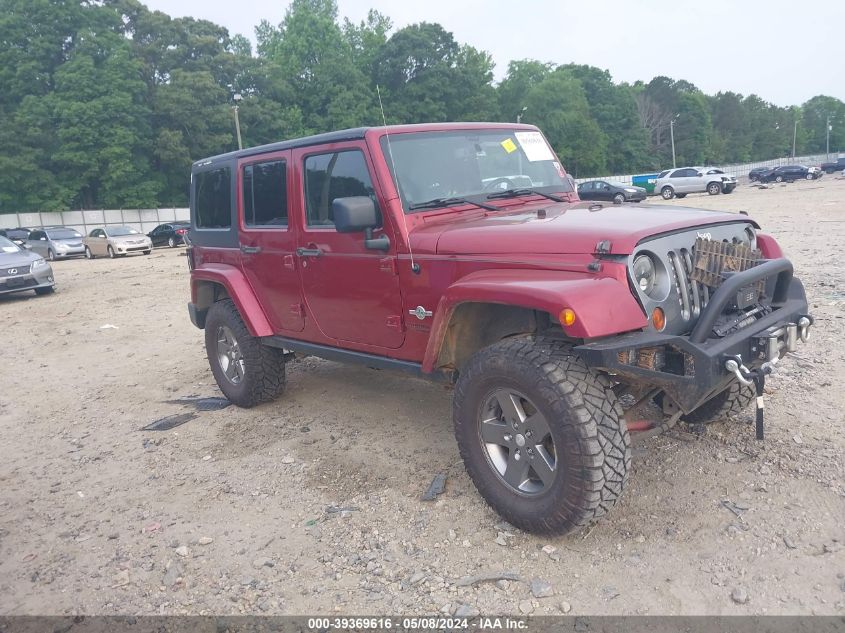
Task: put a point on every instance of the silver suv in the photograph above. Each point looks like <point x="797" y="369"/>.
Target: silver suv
<point x="56" y="242"/>
<point x="683" y="180"/>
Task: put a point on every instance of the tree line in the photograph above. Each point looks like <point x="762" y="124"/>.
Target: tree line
<point x="106" y="104"/>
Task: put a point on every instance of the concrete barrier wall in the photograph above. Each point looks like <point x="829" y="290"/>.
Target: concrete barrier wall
<point x="144" y="220"/>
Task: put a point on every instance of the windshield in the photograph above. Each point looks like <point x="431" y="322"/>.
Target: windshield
<point x="460" y="164"/>
<point x="117" y="231"/>
<point x="63" y="234"/>
<point x="8" y="246"/>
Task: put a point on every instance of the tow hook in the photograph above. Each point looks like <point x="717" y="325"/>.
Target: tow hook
<point x="756" y="377"/>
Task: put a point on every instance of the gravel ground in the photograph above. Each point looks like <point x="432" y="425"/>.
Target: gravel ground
<point x="312" y="504"/>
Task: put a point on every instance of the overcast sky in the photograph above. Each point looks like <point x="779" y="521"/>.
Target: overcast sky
<point x="785" y="51"/>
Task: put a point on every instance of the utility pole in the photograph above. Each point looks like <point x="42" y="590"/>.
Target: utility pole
<point x="827" y="138"/>
<point x="794" y="135"/>
<point x="519" y="115"/>
<point x="237" y="97"/>
<point x="672" y="136"/>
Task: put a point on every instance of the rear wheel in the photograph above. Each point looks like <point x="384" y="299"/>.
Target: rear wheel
<point x="667" y="192"/>
<point x="171" y="242"/>
<point x="247" y="372"/>
<point x="619" y="198"/>
<point x="714" y="188"/>
<point x="778" y="178"/>
<point x="542" y="437"/>
<point x="732" y="401"/>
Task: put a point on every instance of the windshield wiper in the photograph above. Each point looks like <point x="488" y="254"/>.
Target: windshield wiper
<point x="513" y="193"/>
<point x="445" y="202"/>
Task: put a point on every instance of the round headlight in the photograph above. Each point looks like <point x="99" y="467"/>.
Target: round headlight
<point x="645" y="274"/>
<point x="752" y="237"/>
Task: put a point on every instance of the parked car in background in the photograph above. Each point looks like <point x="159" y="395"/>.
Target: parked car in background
<point x="610" y="191"/>
<point x="791" y="173"/>
<point x="56" y="242"/>
<point x="837" y="165"/>
<point x="172" y="234"/>
<point x="21" y="269"/>
<point x="116" y="241"/>
<point x="17" y="235"/>
<point x="683" y="180"/>
<point x="758" y="173"/>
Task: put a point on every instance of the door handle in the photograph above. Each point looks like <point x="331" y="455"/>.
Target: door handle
<point x="309" y="252"/>
<point x="250" y="250"/>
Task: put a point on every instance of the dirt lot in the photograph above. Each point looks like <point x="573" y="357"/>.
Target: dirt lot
<point x="237" y="511"/>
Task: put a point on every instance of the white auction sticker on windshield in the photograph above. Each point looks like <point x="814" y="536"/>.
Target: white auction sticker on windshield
<point x="534" y="146"/>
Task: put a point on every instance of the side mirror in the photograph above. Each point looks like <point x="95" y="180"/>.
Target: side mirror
<point x="358" y="213"/>
<point x="27" y="247"/>
<point x="700" y="174"/>
<point x="354" y="214"/>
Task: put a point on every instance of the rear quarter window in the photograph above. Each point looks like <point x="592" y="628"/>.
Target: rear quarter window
<point x="213" y="198"/>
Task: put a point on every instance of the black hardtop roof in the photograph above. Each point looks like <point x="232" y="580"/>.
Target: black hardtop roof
<point x="351" y="135"/>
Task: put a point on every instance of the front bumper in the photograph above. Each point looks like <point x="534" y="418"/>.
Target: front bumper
<point x="74" y="251"/>
<point x="690" y="369"/>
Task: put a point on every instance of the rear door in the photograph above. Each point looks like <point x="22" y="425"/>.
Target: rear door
<point x="268" y="241"/>
<point x="351" y="291"/>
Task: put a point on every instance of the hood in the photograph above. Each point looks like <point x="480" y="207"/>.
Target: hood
<point x="130" y="239"/>
<point x="20" y="258"/>
<point x="564" y="230"/>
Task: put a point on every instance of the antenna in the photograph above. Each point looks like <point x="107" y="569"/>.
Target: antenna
<point x="414" y="266"/>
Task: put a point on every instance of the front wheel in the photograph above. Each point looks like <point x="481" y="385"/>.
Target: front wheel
<point x="111" y="252"/>
<point x="147" y="252"/>
<point x="778" y="178"/>
<point x="542" y="437"/>
<point x="810" y="177"/>
<point x="51" y="256"/>
<point x="88" y="253"/>
<point x="714" y="188"/>
<point x="619" y="198"/>
<point x="667" y="193"/>
<point x="247" y="372"/>
<point x="46" y="290"/>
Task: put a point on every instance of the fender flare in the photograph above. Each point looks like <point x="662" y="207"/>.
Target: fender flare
<point x="239" y="290"/>
<point x="603" y="305"/>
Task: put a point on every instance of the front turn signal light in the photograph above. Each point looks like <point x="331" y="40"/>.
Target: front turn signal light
<point x="658" y="319"/>
<point x="567" y="316"/>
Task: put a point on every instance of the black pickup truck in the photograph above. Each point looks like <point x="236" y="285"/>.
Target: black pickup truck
<point x="837" y="165"/>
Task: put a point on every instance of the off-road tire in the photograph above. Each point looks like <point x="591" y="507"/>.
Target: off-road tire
<point x="46" y="290"/>
<point x="714" y="188"/>
<point x="590" y="437"/>
<point x="619" y="198"/>
<point x="732" y="401"/>
<point x="668" y="193"/>
<point x="264" y="375"/>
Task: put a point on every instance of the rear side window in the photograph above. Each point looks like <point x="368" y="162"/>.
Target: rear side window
<point x="212" y="198"/>
<point x="663" y="174"/>
<point x="331" y="176"/>
<point x="265" y="194"/>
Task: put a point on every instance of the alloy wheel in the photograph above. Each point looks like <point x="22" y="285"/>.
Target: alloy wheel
<point x="517" y="441"/>
<point x="229" y="355"/>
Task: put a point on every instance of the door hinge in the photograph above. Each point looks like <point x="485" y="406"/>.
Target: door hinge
<point x="395" y="322"/>
<point x="388" y="265"/>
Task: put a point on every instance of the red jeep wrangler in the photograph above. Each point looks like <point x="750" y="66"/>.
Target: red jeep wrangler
<point x="461" y="252"/>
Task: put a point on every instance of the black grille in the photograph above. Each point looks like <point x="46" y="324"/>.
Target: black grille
<point x="13" y="271"/>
